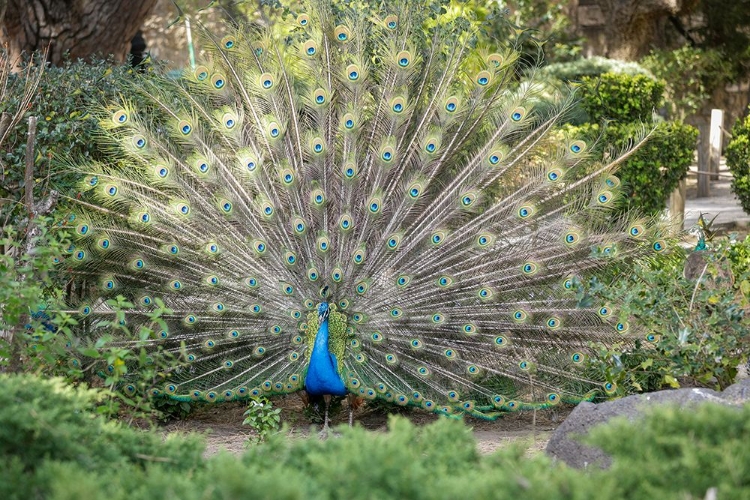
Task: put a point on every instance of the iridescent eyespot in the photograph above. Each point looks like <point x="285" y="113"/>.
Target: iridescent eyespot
<point x="577" y="147"/>
<point x="604" y="197"/>
<point x="529" y="268"/>
<point x="483" y="78"/>
<point x="451" y="104"/>
<point x="184" y="127"/>
<point x="200" y="73"/>
<point x="391" y="21"/>
<point x="218" y="81"/>
<point x="403" y="58"/>
<point x="119" y="117"/>
<point x="468" y="199"/>
<point x="342" y="33"/>
<point x="495" y="60"/>
<point x="310" y="48"/>
<point x="259" y="246"/>
<point x="444" y="281"/>
<point x="352" y="72"/>
<point x="469" y="329"/>
<point x="229" y="120"/>
<point x="438" y="237"/>
<point x="228" y="42"/>
<point x="303" y="20"/>
<point x="519" y="315"/>
<point x="266" y="81"/>
<point x="517" y="114"/>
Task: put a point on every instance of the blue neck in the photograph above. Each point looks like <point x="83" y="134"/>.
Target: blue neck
<point x="322" y="373"/>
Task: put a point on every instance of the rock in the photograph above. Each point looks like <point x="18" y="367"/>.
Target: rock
<point x="738" y="393"/>
<point x="565" y="445"/>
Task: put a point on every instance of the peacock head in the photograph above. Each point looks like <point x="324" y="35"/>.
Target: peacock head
<point x="323" y="311"/>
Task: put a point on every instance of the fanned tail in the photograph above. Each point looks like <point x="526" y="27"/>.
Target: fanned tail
<point x="424" y="182"/>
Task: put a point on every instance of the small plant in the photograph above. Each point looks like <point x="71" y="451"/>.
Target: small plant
<point x="263" y="418"/>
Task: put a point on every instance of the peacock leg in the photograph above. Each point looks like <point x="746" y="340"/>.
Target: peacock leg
<point x="350" y="400"/>
<point x="324" y="432"/>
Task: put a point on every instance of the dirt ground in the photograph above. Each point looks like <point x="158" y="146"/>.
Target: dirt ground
<point x="222" y="425"/>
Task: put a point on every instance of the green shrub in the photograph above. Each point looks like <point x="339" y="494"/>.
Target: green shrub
<point x="679" y="454"/>
<point x="65" y="104"/>
<point x="592" y="66"/>
<point x="651" y="173"/>
<point x="738" y="161"/>
<point x="696" y="331"/>
<point x="27" y="289"/>
<point x="53" y="445"/>
<point x="43" y="419"/>
<point x="626" y="104"/>
<point x="620" y="97"/>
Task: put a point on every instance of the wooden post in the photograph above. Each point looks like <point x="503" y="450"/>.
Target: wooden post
<point x="677" y="203"/>
<point x="715" y="136"/>
<point x="704" y="162"/>
<point x="28" y="178"/>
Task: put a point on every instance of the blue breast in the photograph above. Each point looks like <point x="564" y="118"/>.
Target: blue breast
<point x="322" y="374"/>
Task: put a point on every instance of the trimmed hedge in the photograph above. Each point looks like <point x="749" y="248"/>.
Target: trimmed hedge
<point x="627" y="103"/>
<point x="738" y="161"/>
<point x="651" y="174"/>
<point x="620" y="97"/>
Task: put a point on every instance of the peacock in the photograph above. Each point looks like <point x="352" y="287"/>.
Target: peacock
<point x="358" y="204"/>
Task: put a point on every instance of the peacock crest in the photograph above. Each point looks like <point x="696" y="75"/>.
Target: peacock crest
<point x="425" y="183"/>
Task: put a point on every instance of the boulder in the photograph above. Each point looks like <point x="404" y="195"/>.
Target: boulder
<point x="565" y="443"/>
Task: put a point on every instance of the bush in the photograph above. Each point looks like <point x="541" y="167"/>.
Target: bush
<point x="620" y="97"/>
<point x="47" y="419"/>
<point x="650" y="174"/>
<point x="679" y="454"/>
<point x="53" y="445"/>
<point x="738" y="161"/>
<point x="696" y="331"/>
<point x="593" y="66"/>
<point x="65" y="105"/>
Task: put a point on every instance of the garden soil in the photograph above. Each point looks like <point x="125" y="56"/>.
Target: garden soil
<point x="221" y="424"/>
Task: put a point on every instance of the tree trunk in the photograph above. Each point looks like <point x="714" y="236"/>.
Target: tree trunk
<point x="84" y="28"/>
<point x="627" y="29"/>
